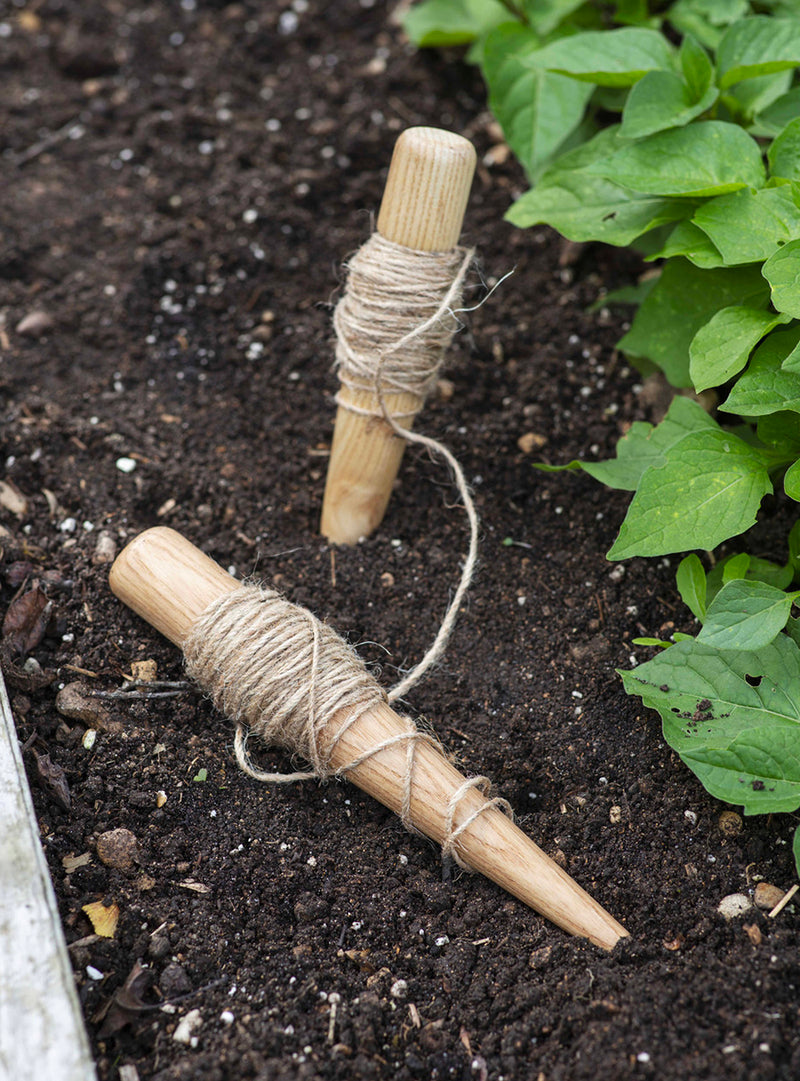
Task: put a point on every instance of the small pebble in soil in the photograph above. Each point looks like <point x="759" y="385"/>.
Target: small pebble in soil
<point x="118" y="849"/>
<point x="125" y="465"/>
<point x="766" y="895"/>
<point x="734" y="905"/>
<point x="226" y="1017"/>
<point x="399" y="989"/>
<point x="730" y="823"/>
<point x="93" y="973"/>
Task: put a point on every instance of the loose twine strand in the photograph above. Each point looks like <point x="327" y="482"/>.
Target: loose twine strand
<point x="272" y="666"/>
<point x="393" y="325"/>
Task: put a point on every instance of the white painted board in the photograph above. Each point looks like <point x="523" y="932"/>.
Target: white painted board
<point x="41" y="1027"/>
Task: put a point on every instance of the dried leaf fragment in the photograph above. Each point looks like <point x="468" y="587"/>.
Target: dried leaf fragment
<point x="12" y="499"/>
<point x="195" y="887"/>
<point x="103" y="920"/>
<point x="72" y="863"/>
<point x="26" y="620"/>
<point x="54" y="780"/>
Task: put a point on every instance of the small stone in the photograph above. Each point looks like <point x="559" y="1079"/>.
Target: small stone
<point x="734" y="905"/>
<point x="387" y="579"/>
<point x="174" y="981"/>
<point x="615" y="815"/>
<point x="187" y="1027"/>
<point x="118" y="849"/>
<point x="126" y="465"/>
<point x="76" y="702"/>
<point x="730" y="823"/>
<point x="159" y="946"/>
<point x="35" y="324"/>
<point x="766" y="896"/>
<point x="399" y="989"/>
<point x="146" y="671"/>
<point x="105" y="550"/>
<point x="226" y="1017"/>
<point x="531" y="441"/>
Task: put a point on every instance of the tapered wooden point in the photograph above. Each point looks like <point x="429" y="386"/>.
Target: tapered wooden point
<point x="423" y="208"/>
<point x="169" y="582"/>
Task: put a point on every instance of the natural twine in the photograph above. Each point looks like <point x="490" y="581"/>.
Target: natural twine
<point x="281" y="673"/>
<point x="393" y="325"/>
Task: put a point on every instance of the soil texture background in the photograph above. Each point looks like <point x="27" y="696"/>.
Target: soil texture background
<point x="182" y="182"/>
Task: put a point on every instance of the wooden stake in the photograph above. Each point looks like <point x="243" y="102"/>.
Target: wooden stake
<point x="423" y="208"/>
<point x="169" y="582"/>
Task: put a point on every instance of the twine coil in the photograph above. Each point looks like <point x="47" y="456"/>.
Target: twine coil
<point x="281" y="673"/>
<point x="396" y="319"/>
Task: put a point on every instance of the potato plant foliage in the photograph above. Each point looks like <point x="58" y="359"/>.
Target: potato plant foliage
<point x="675" y="128"/>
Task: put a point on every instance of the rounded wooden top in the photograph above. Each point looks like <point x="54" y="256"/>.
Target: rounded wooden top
<point x="427" y="189"/>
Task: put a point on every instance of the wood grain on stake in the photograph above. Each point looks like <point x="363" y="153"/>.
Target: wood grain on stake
<point x="170" y="582"/>
<point x="422" y="208"/>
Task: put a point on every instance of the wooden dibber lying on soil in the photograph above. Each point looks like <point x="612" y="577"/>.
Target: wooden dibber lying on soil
<point x="174" y="586"/>
<point x="422" y="211"/>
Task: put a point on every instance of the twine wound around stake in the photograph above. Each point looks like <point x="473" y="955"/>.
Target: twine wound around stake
<point x="277" y="670"/>
<point x="393" y="325"/>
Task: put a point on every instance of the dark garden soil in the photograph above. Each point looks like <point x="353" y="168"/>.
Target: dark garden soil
<point x="181" y="183"/>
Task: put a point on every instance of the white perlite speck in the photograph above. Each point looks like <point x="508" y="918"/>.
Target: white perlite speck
<point x="187" y="1026"/>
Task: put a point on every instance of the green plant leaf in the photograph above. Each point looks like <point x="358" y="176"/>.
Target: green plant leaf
<point x="751" y="97"/>
<point x="748" y="226"/>
<point x="741" y="565"/>
<point x="746" y="615"/>
<point x="706" y="19"/>
<point x="721" y="347"/>
<point x="643" y="445"/>
<point x="688" y="240"/>
<point x="698" y="71"/>
<point x="684" y="299"/>
<point x="660" y="642"/>
<point x="782" y="271"/>
<point x="690" y="579"/>
<point x="756" y="46"/>
<point x="707" y="489"/>
<point x="781" y="431"/>
<point x="446" y="23"/>
<point x="774" y="118"/>
<point x="732" y="716"/>
<point x="590" y="208"/>
<point x="733" y="569"/>
<point x="608" y="57"/>
<point x="784" y="153"/>
<point x="791" y="481"/>
<point x="794" y="547"/>
<point x="201" y="775"/>
<point x="710" y="157"/>
<point x="662" y="100"/>
<point x="796" y="849"/>
<point x="544" y="16"/>
<point x="536" y="109"/>
<point x="766" y="387"/>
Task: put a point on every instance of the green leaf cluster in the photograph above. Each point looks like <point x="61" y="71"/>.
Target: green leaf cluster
<point x="674" y="128"/>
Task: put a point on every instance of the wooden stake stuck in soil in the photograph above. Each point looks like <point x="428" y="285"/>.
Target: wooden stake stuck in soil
<point x="422" y="209"/>
<point x="171" y="583"/>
